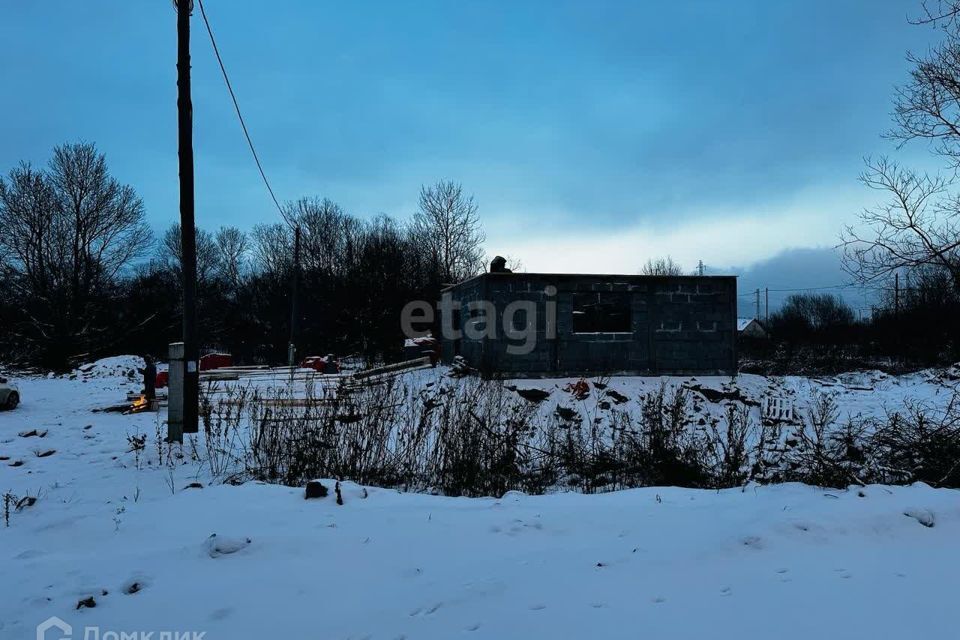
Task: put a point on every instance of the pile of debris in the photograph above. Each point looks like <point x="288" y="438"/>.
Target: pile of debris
<point x="129" y="367"/>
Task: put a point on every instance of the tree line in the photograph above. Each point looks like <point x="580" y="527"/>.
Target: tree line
<point x="81" y="273"/>
<point x="916" y="326"/>
<point x="84" y="275"/>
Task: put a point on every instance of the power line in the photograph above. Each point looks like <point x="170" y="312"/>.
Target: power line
<point x="291" y="349"/>
<point x="236" y="106"/>
<point x="832" y="286"/>
<point x="824" y="288"/>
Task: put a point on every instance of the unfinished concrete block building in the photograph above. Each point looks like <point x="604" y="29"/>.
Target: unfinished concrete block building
<point x="544" y="324"/>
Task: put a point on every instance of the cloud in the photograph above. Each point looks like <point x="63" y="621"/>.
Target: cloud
<point x="722" y="238"/>
<point x="795" y="271"/>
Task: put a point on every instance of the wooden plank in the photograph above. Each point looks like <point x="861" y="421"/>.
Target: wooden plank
<point x="416" y="363"/>
<point x="282" y="402"/>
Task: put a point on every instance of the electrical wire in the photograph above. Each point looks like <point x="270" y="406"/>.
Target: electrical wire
<point x="236" y="106"/>
<point x="266" y="182"/>
<point x="828" y="287"/>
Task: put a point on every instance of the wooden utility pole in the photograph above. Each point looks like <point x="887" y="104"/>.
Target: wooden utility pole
<point x="757" y="314"/>
<point x="188" y="233"/>
<point x="766" y="303"/>
<point x="292" y="348"/>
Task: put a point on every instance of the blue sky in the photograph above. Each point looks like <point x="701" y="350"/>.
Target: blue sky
<point x="595" y="134"/>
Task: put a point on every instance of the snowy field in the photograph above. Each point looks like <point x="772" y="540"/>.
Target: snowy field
<point x="786" y="561"/>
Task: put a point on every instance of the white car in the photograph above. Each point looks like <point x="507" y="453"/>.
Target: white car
<point x="9" y="395"/>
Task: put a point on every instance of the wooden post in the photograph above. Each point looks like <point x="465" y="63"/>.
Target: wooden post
<point x="175" y="393"/>
<point x="188" y="232"/>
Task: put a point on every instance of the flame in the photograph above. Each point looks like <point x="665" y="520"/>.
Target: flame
<point x="140" y="404"/>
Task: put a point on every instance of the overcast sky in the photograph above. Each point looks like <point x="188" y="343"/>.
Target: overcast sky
<point x="593" y="134"/>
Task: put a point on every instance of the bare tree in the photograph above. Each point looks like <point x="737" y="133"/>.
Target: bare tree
<point x="233" y="248"/>
<point x="272" y="248"/>
<point x="28" y="214"/>
<point x="515" y="264"/>
<point x="329" y="237"/>
<point x="448" y="228"/>
<point x="916" y="227"/>
<point x="208" y="257"/>
<point x="661" y="267"/>
<point x="927" y="107"/>
<point x="68" y="234"/>
<point x="939" y="13"/>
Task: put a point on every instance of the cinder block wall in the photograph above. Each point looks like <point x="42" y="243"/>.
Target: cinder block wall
<point x="471" y="350"/>
<point x="679" y="325"/>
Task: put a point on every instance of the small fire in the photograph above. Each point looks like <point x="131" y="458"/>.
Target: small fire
<point x="140" y="404"/>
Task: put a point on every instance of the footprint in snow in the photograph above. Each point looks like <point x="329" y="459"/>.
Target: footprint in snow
<point x="754" y="542"/>
<point x="220" y="614"/>
<point x="429" y="611"/>
<point x="473" y="627"/>
<point x="217" y="546"/>
<point x="923" y="516"/>
<point x="726" y="591"/>
<point x="782" y="570"/>
<point x="134" y="585"/>
<point x="537" y="607"/>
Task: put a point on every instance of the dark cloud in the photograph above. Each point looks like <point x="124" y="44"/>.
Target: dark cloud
<point x="553" y="113"/>
<point x="806" y="270"/>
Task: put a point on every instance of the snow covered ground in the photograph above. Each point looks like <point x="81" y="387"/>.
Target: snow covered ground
<point x="784" y="561"/>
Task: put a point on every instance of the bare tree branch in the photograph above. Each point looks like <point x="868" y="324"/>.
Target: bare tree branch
<point x="448" y="227"/>
<point x="916" y="227"/>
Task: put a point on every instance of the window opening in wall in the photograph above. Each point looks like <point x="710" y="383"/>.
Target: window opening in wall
<point x="601" y="312"/>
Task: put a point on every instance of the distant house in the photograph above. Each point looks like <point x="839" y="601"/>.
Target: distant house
<point x="750" y="328"/>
